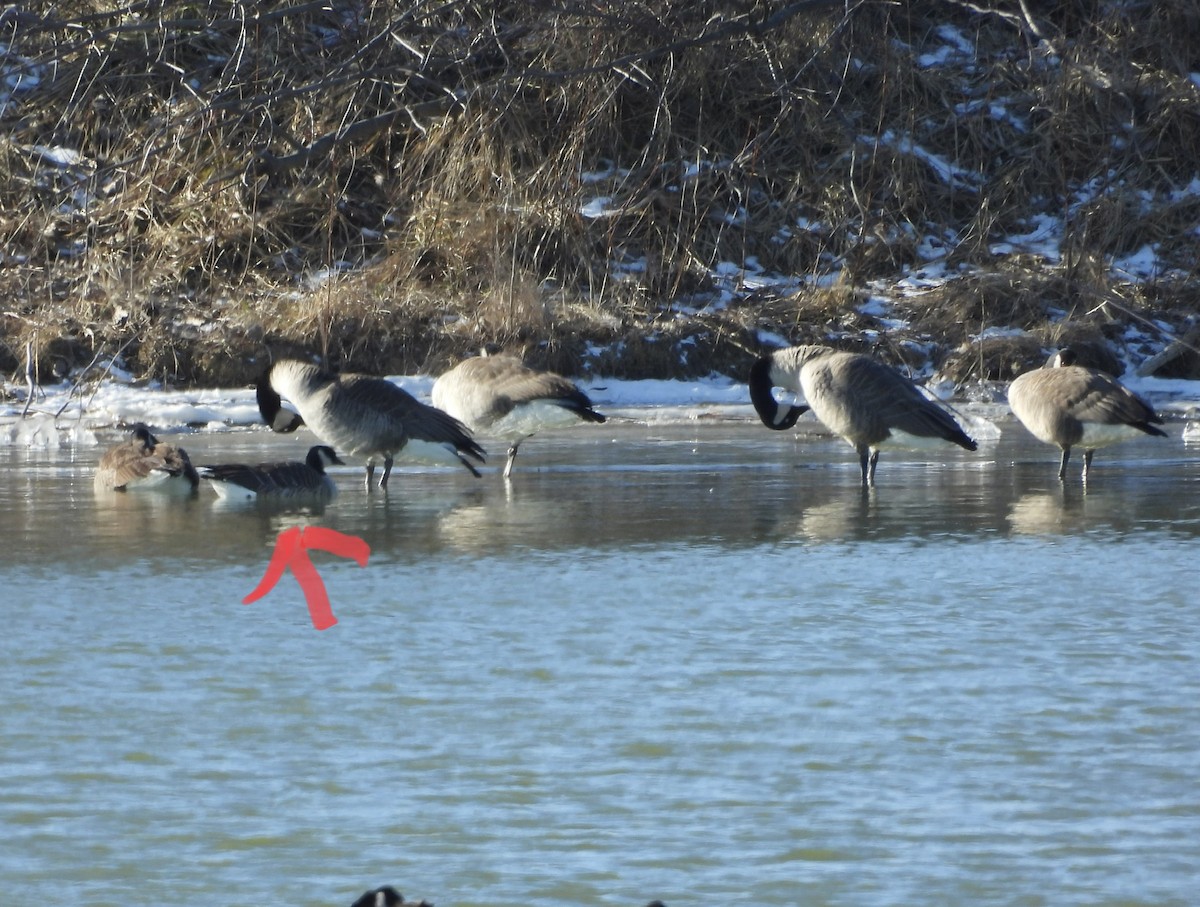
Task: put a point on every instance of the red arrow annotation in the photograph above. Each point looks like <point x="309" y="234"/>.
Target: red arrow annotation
<point x="291" y="550"/>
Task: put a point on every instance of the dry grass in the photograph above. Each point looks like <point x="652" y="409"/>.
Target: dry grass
<point x="392" y="185"/>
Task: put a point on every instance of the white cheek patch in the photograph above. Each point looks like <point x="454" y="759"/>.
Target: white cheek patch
<point x="784" y="401"/>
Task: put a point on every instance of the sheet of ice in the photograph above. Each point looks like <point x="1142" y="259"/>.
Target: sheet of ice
<point x="60" y="417"/>
<point x="112" y="405"/>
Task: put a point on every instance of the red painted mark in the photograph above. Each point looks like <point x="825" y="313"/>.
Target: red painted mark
<point x="291" y="550"/>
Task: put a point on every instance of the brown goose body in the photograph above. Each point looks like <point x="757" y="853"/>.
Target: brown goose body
<point x="363" y="416"/>
<point x="501" y="396"/>
<point x="865" y="402"/>
<point x="144" y="462"/>
<point x="1068" y="406"/>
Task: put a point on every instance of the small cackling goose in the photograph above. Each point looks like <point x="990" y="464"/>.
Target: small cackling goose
<point x="143" y="462"/>
<point x="501" y="396"/>
<point x="861" y="400"/>
<point x="290" y="479"/>
<point x="363" y="416"/>
<point x="1071" y="406"/>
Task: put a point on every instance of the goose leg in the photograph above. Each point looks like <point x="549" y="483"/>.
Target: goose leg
<point x="1062" y="467"/>
<point x="512" y="455"/>
<point x="1087" y="463"/>
<point x="864" y="463"/>
<point x="370" y="473"/>
<point x="387" y="471"/>
<point x="871" y="471"/>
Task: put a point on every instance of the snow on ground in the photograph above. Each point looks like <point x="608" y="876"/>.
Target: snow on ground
<point x="60" y="416"/>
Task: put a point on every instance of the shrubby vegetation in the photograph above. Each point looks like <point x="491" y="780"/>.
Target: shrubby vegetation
<point x="190" y="186"/>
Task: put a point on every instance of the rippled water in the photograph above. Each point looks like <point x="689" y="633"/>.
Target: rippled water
<point x="690" y="662"/>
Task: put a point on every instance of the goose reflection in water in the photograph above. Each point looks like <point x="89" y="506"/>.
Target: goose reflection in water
<point x="1048" y="513"/>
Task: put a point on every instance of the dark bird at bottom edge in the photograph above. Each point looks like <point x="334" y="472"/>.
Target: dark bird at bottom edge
<point x="387" y="896"/>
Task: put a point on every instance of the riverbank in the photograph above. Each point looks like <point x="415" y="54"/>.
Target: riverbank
<point x="656" y="193"/>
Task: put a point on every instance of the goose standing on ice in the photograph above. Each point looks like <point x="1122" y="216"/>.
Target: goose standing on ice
<point x="861" y="400"/>
<point x="1071" y="406"/>
<point x="277" y="481"/>
<point x="363" y="416"/>
<point x="145" y="462"/>
<point x="501" y="396"/>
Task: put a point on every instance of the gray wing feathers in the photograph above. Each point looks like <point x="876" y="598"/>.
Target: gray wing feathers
<point x="1083" y="395"/>
<point x="486" y="389"/>
<point x="381" y="409"/>
<point x="269" y="478"/>
<point x="1103" y="400"/>
<point x="897" y="403"/>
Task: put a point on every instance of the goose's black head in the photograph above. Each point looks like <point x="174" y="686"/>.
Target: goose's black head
<point x="270" y="407"/>
<point x="1062" y="358"/>
<point x="321" y="456"/>
<point x="761" y="395"/>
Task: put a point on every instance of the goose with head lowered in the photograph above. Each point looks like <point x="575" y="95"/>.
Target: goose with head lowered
<point x="143" y="462"/>
<point x="503" y="397"/>
<point x="863" y="401"/>
<point x="363" y="416"/>
<point x="1068" y="405"/>
<point x="276" y="481"/>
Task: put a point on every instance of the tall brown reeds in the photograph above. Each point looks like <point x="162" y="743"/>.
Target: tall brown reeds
<point x="199" y="184"/>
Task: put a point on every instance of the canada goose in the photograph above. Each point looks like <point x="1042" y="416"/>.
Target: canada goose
<point x="387" y="896"/>
<point x="276" y="480"/>
<point x="501" y="396"/>
<point x="144" y="462"/>
<point x="1066" y="404"/>
<point x="859" y="399"/>
<point x="362" y="415"/>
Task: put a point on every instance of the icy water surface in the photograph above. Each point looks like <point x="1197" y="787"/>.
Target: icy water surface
<point x="694" y="663"/>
